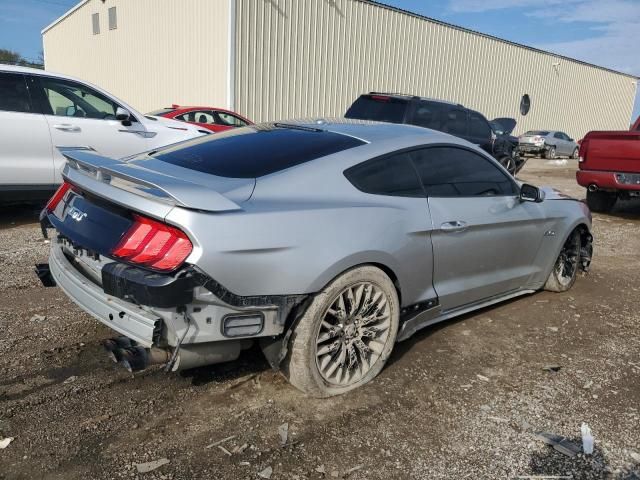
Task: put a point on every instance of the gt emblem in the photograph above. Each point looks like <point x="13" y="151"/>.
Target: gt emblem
<point x="76" y="214"/>
<point x="549" y="233"/>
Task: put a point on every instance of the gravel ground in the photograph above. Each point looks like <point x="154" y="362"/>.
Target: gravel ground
<point x="460" y="400"/>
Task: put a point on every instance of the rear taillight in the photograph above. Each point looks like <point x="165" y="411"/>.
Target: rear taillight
<point x="154" y="245"/>
<point x="58" y="196"/>
<point x="380" y="98"/>
<point x="582" y="153"/>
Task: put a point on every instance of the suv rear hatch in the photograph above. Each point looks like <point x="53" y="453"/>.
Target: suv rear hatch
<point x="380" y="108"/>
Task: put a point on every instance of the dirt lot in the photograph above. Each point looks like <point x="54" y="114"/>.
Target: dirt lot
<point x="461" y="400"/>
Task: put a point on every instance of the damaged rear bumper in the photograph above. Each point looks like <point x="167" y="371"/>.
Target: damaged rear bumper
<point x="125" y="318"/>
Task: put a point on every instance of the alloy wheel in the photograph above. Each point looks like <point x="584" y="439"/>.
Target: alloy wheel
<point x="353" y="334"/>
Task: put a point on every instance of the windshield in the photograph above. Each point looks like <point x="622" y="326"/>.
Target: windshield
<point x="380" y="108"/>
<point x="538" y="133"/>
<point x="255" y="151"/>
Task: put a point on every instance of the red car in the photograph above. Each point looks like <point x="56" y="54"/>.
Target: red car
<point x="214" y="119"/>
<point x="610" y="167"/>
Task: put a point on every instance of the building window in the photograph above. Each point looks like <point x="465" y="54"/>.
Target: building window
<point x="95" y="20"/>
<point x="113" y="18"/>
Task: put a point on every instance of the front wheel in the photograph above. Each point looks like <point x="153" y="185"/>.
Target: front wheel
<point x="346" y="335"/>
<point x="565" y="270"/>
<point x="509" y="163"/>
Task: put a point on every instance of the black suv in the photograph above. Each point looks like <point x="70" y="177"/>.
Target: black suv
<point x="440" y="115"/>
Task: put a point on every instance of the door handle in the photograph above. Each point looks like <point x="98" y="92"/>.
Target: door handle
<point x="454" y="226"/>
<point x="65" y="127"/>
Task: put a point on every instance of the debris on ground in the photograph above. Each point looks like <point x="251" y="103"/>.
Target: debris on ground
<point x="219" y="442"/>
<point x="150" y="466"/>
<point x="266" y="473"/>
<point x="38" y="318"/>
<point x="560" y="443"/>
<point x="283" y="431"/>
<point x="4" y="443"/>
<point x="482" y="377"/>
<point x="588" y="385"/>
<point x="552" y="368"/>
<point x="553" y="329"/>
<point x="71" y="379"/>
<point x="320" y="469"/>
<point x="635" y="456"/>
<point x="587" y="439"/>
<point x="354" y="469"/>
<point x="241" y="448"/>
<point x="226" y="452"/>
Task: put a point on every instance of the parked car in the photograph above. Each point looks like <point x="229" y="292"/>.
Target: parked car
<point x="609" y="167"/>
<point x="214" y="119"/>
<point x="325" y="242"/>
<point x="506" y="144"/>
<point x="41" y="111"/>
<point x="548" y="144"/>
<point x="438" y="115"/>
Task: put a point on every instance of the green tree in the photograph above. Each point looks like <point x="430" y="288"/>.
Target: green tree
<point x="8" y="56"/>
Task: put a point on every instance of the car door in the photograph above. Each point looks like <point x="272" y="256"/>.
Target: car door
<point x="26" y="158"/>
<point x="560" y="144"/>
<point x="484" y="238"/>
<point x="79" y="116"/>
<point x="480" y="132"/>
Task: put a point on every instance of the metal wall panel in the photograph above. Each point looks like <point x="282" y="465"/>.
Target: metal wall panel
<point x="162" y="51"/>
<point x="301" y="58"/>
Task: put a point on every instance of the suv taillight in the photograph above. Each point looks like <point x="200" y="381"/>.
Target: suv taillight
<point x="58" y="196"/>
<point x="582" y="153"/>
<point x="153" y="244"/>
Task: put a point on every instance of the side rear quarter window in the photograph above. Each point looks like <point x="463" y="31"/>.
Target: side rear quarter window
<point x="392" y="176"/>
<point x="14" y="95"/>
<point x="479" y="127"/>
<point x="428" y="115"/>
<point x="458" y="172"/>
<point x="454" y="122"/>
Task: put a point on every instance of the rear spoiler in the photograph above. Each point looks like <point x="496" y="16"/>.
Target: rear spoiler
<point x="141" y="181"/>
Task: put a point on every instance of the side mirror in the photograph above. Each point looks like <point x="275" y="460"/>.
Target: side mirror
<point x="529" y="193"/>
<point x="122" y="114"/>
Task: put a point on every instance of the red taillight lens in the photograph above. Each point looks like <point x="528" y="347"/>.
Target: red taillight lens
<point x="153" y="244"/>
<point x="58" y="196"/>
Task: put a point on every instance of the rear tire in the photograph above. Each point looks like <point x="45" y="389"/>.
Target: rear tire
<point x="575" y="153"/>
<point x="354" y="321"/>
<point x="565" y="269"/>
<point x="549" y="153"/>
<point x="601" y="202"/>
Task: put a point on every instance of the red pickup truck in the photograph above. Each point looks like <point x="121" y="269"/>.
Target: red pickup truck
<point x="610" y="167"/>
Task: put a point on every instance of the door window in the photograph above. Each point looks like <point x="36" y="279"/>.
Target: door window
<point x="457" y="172"/>
<point x="70" y="99"/>
<point x="198" y="116"/>
<point x="428" y="115"/>
<point x="230" y="120"/>
<point x="479" y="127"/>
<point x="558" y="135"/>
<point x="14" y="96"/>
<point x="393" y="175"/>
<point x="455" y="122"/>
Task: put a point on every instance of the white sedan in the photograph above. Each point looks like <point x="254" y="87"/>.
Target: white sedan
<point x="42" y="112"/>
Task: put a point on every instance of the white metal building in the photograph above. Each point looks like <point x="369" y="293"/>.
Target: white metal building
<point x="273" y="59"/>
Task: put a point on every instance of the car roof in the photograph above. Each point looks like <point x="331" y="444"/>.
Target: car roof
<point x="366" y="130"/>
<point x="409" y="96"/>
<point x="35" y="71"/>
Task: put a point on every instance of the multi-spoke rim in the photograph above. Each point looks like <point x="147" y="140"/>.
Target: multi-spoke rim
<point x="568" y="261"/>
<point x="354" y="331"/>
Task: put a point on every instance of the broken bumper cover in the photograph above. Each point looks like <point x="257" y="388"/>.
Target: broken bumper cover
<point x="126" y="318"/>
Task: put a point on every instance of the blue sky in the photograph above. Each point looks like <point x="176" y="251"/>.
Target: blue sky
<point x="604" y="32"/>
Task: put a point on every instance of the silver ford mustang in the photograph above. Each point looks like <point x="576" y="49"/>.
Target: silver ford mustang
<point x="324" y="241"/>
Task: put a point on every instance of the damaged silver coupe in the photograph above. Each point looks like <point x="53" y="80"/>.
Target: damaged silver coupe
<point x="325" y="242"/>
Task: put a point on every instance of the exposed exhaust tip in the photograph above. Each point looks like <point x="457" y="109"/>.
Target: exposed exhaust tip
<point x="118" y="342"/>
<point x="592" y="188"/>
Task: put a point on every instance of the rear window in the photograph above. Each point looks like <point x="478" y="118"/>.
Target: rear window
<point x="161" y="112"/>
<point x="255" y="151"/>
<point x="380" y="108"/>
<point x="540" y="133"/>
